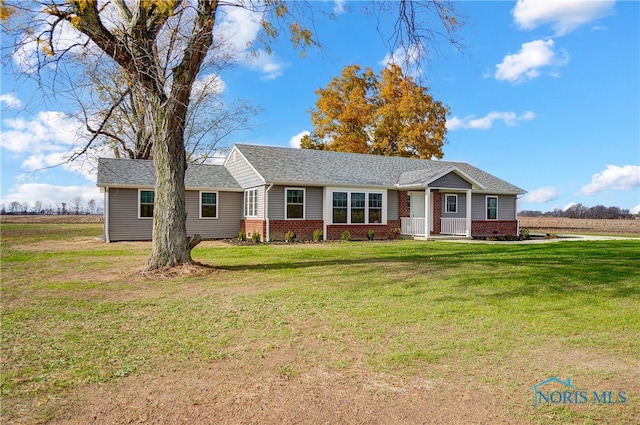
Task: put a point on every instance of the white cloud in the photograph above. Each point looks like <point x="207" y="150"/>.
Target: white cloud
<point x="65" y="38"/>
<point x="50" y="195"/>
<point x="267" y="64"/>
<point x="563" y="16"/>
<point x="528" y="62"/>
<point x="49" y="140"/>
<point x="294" y="142"/>
<point x="237" y="32"/>
<point x="613" y="178"/>
<point x="569" y="205"/>
<point x="339" y="7"/>
<point x="542" y="195"/>
<point x="485" y="123"/>
<point x="405" y="57"/>
<point x="10" y="100"/>
<point x="208" y="85"/>
<point x="636" y="209"/>
<point x="48" y="131"/>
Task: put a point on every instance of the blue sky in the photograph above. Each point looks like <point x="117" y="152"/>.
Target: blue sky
<point x="545" y="95"/>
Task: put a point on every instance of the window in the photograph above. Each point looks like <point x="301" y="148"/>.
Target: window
<point x="375" y="208"/>
<point x="294" y="204"/>
<point x="451" y="203"/>
<point x="492" y="207"/>
<point x="208" y="205"/>
<point x="357" y="207"/>
<point x="145" y="209"/>
<point x="251" y="203"/>
<point x="339" y="207"/>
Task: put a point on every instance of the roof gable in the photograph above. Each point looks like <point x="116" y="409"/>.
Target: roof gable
<point x="431" y="177"/>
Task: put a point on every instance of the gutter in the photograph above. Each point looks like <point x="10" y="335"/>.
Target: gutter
<point x="106" y="215"/>
<point x="266" y="213"/>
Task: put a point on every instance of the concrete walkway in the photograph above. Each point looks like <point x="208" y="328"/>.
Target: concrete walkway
<point x="538" y="240"/>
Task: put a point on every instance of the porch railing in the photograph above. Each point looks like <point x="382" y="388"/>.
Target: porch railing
<point x="453" y="226"/>
<point x="412" y="226"/>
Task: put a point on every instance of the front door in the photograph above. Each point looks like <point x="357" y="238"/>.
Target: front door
<point x="416" y="204"/>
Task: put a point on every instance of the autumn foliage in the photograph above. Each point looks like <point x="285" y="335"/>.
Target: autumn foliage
<point x="389" y="114"/>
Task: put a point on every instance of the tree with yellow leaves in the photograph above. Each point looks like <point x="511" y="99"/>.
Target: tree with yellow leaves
<point x="389" y="114"/>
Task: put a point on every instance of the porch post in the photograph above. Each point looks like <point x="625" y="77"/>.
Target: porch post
<point x="427" y="205"/>
<point x="468" y="217"/>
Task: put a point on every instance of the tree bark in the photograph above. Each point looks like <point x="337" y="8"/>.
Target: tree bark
<point x="170" y="245"/>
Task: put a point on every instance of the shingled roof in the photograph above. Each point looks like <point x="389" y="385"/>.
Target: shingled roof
<point x="279" y="165"/>
<point x="141" y="173"/>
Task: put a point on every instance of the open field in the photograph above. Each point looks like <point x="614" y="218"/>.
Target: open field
<point x="401" y="332"/>
<point x="536" y="224"/>
<point x="581" y="225"/>
<point x="52" y="219"/>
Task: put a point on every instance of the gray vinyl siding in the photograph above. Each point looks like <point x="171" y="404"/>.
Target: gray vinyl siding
<point x="393" y="202"/>
<point x="451" y="180"/>
<point x="461" y="207"/>
<point x="242" y="171"/>
<point x="276" y="203"/>
<point x="227" y="225"/>
<point x="312" y="203"/>
<point x="506" y="207"/>
<point x="124" y="224"/>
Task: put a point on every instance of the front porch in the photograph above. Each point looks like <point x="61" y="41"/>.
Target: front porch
<point x="417" y="226"/>
<point x="440" y="211"/>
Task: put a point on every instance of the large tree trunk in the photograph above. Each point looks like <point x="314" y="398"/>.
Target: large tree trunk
<point x="170" y="244"/>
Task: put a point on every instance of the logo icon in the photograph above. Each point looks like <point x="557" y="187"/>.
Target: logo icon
<point x="556" y="391"/>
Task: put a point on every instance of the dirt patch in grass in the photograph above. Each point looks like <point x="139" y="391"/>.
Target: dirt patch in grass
<point x="279" y="388"/>
<point x="271" y="393"/>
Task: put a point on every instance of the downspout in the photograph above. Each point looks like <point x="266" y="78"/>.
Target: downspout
<point x="266" y="213"/>
<point x="427" y="208"/>
<point x="106" y="214"/>
<point x="516" y="217"/>
<point x="469" y="206"/>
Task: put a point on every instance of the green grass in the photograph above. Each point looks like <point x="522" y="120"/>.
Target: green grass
<point x="83" y="314"/>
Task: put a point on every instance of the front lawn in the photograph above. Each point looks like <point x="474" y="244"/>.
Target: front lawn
<point x="421" y="324"/>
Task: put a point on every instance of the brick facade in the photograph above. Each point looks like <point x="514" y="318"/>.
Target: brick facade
<point x="302" y="228"/>
<point x="403" y="203"/>
<point x="486" y="228"/>
<point x="437" y="211"/>
<point x="251" y="226"/>
<point x="358" y="232"/>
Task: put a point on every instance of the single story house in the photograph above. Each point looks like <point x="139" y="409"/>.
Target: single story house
<point x="272" y="190"/>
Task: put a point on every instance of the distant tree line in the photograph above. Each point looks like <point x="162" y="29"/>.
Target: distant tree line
<point x="75" y="207"/>
<point x="581" y="211"/>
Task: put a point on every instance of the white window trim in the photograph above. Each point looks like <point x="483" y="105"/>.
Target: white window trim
<point x="486" y="207"/>
<point x="255" y="201"/>
<point x="446" y="204"/>
<point x="349" y="191"/>
<point x="200" y="204"/>
<point x="304" y="202"/>
<point x="140" y="204"/>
